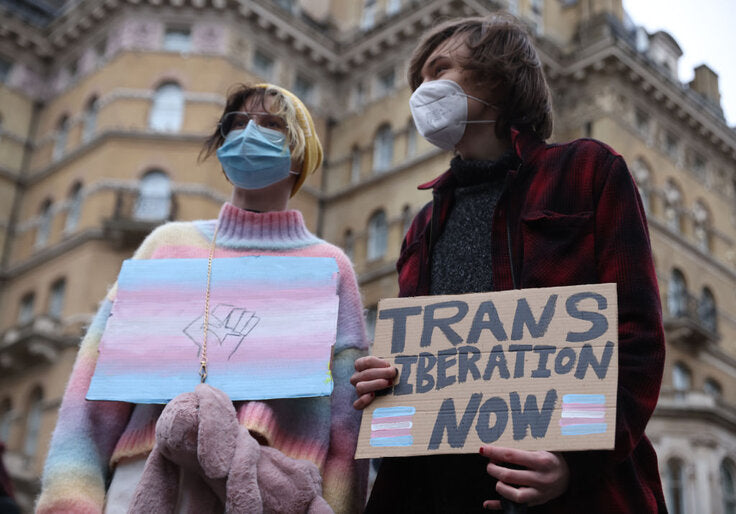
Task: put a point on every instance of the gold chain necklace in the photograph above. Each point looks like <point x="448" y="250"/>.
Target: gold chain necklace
<point x="203" y="359"/>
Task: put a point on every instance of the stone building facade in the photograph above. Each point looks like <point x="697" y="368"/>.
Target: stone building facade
<point x="104" y="104"/>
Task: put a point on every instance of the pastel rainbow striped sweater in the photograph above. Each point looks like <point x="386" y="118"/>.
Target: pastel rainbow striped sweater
<point x="91" y="437"/>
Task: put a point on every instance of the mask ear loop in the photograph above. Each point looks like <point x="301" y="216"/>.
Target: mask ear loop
<point x="469" y="122"/>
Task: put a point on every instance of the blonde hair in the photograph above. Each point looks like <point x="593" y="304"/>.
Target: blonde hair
<point x="286" y="109"/>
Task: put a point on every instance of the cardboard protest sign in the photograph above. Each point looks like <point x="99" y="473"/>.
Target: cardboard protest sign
<point x="272" y="325"/>
<point x="534" y="369"/>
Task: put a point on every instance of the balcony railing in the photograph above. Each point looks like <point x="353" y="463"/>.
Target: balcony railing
<point x="693" y="404"/>
<point x="40" y="341"/>
<point x="689" y="320"/>
<point x="136" y="214"/>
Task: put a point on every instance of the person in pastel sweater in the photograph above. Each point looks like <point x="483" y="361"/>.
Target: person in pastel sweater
<point x="98" y="449"/>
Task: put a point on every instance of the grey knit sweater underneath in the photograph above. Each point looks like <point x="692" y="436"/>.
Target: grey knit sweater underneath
<point x="461" y="258"/>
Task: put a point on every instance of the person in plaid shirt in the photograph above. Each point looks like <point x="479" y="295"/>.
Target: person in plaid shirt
<point x="515" y="212"/>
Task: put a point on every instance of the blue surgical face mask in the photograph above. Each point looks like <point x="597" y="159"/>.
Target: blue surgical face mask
<point x="255" y="157"/>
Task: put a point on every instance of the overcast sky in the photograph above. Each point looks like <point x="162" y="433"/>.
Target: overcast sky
<point x="706" y="33"/>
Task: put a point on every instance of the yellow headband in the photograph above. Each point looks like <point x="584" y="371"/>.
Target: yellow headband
<point x="312" y="147"/>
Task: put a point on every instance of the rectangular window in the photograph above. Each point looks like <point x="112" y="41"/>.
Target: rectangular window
<point x="368" y="19"/>
<point x="386" y="83"/>
<point x="642" y="122"/>
<point x="178" y="39"/>
<point x="304" y="89"/>
<point x="101" y="50"/>
<point x="588" y="129"/>
<point x="72" y="69"/>
<point x="358" y="96"/>
<point x="287" y="5"/>
<point x="25" y="313"/>
<point x="355" y="165"/>
<point x="5" y="67"/>
<point x="536" y="16"/>
<point x="56" y="299"/>
<point x="393" y="7"/>
<point x="263" y="65"/>
<point x="698" y="164"/>
<point x="670" y="144"/>
<point x="411" y="140"/>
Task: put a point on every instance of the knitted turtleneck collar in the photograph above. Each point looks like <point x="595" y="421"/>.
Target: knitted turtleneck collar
<point x="276" y="230"/>
<point x="470" y="172"/>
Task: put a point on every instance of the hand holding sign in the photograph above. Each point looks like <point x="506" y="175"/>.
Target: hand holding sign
<point x="543" y="475"/>
<point x="371" y="375"/>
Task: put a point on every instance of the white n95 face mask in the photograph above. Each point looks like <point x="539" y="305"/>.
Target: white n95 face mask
<point x="440" y="112"/>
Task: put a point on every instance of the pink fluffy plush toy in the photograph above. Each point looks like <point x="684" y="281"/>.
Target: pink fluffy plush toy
<point x="222" y="467"/>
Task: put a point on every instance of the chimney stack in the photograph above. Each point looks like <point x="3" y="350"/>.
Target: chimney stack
<point x="706" y="83"/>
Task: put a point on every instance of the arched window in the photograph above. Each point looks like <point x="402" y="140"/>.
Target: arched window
<point x="675" y="492"/>
<point x="677" y="294"/>
<point x="673" y="206"/>
<point x="701" y="220"/>
<point x="45" y="218"/>
<point x="90" y="119"/>
<point x="383" y="149"/>
<point x="411" y="140"/>
<point x="682" y="379"/>
<point x="154" y="197"/>
<point x="406" y="218"/>
<point x="643" y="176"/>
<point x="728" y="475"/>
<point x="355" y="165"/>
<point x="377" y="236"/>
<point x="6" y="419"/>
<point x="707" y="310"/>
<point x="74" y="208"/>
<point x="167" y="111"/>
<point x="711" y="387"/>
<point x="60" y="139"/>
<point x="33" y="422"/>
<point x="56" y="299"/>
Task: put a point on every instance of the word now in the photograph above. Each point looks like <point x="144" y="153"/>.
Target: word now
<point x="486" y="317"/>
<point x="493" y="417"/>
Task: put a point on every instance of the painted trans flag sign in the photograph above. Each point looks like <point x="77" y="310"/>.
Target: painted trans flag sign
<point x="272" y="325"/>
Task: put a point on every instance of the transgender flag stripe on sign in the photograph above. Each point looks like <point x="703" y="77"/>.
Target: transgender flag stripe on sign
<point x="583" y="414"/>
<point x="391" y="426"/>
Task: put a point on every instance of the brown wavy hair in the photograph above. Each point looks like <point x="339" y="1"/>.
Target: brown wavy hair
<point x="503" y="58"/>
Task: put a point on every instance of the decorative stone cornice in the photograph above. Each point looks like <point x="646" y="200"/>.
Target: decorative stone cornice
<point x="23" y="35"/>
<point x="303" y="38"/>
<point x="604" y="48"/>
<point x="319" y="48"/>
<point x="405" y="26"/>
<point x="612" y="53"/>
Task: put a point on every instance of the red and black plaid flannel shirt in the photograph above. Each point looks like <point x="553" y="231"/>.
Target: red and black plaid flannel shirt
<point x="575" y="217"/>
